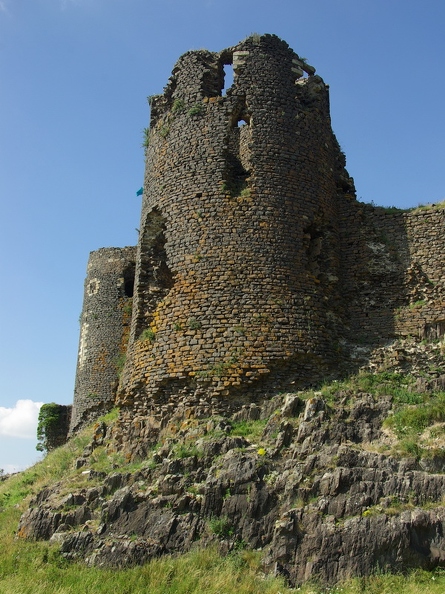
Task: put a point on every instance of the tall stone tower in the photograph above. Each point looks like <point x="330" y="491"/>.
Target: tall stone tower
<point x="257" y="270"/>
<point x="237" y="267"/>
<point x="104" y="331"/>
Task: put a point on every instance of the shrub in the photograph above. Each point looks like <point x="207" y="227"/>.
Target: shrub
<point x="221" y="526"/>
<point x="51" y="427"/>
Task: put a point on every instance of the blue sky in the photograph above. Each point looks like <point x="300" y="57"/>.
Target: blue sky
<point x="74" y="78"/>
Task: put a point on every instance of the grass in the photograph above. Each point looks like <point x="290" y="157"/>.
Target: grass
<point x="103" y="461"/>
<point x="397" y="385"/>
<point x="182" y="450"/>
<point x="55" y="466"/>
<point x="119" y="362"/>
<point x="418" y="303"/>
<point x="396" y="209"/>
<point x="437" y="205"/>
<point x="251" y="430"/>
<point x="417" y="582"/>
<point x="178" y="105"/>
<point x="146" y="138"/>
<point x="410" y="421"/>
<point x="221" y="526"/>
<point x="148" y="335"/>
<point x="36" y="568"/>
<point x="196" y="109"/>
<point x="194" y="324"/>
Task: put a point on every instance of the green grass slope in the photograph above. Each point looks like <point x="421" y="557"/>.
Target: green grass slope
<point x="38" y="567"/>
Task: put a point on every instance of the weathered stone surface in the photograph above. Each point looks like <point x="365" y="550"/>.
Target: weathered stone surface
<point x="311" y="492"/>
<point x="104" y="329"/>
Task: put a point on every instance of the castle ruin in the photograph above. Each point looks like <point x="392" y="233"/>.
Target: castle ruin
<point x="257" y="270"/>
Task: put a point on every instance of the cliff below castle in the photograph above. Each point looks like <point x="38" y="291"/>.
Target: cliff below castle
<point x="328" y="484"/>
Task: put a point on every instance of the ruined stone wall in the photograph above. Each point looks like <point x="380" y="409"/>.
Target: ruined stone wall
<point x="393" y="272"/>
<point x="104" y="330"/>
<point x="238" y="262"/>
<point x="423" y="311"/>
<point x="256" y="269"/>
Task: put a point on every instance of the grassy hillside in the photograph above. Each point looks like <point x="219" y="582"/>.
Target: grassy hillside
<point x="38" y="567"/>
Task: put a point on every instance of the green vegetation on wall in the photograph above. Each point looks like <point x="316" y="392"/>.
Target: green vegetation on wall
<point x="48" y="428"/>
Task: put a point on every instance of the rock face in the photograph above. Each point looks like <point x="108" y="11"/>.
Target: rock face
<point x="301" y="477"/>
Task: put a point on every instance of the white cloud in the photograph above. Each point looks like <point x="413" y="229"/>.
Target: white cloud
<point x="20" y="421"/>
<point x="3" y="7"/>
<point x="66" y="3"/>
<point x="11" y="469"/>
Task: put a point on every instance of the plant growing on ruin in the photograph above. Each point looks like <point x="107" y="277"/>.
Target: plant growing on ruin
<point x="178" y="105"/>
<point x="120" y="362"/>
<point x="418" y="303"/>
<point x="148" y="335"/>
<point x="194" y="324"/>
<point x="164" y="130"/>
<point x="48" y="426"/>
<point x="254" y="37"/>
<point x="128" y="306"/>
<point x="146" y="138"/>
<point x="196" y="109"/>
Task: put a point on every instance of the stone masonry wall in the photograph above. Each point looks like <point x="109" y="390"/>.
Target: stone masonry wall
<point x="105" y="325"/>
<point x="237" y="276"/>
<point x="393" y="272"/>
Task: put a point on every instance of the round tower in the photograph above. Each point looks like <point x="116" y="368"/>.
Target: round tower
<point x="238" y="260"/>
<point x="104" y="331"/>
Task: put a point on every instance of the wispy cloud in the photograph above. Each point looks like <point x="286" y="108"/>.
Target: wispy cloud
<point x="21" y="420"/>
<point x="11" y="468"/>
<point x="66" y="3"/>
<point x="3" y="6"/>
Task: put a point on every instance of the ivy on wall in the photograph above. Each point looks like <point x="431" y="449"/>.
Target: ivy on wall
<point x="52" y="426"/>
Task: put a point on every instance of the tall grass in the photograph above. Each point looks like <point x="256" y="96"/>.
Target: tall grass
<point x="249" y="429"/>
<point x="36" y="568"/>
<point x="412" y="420"/>
<point x="397" y="385"/>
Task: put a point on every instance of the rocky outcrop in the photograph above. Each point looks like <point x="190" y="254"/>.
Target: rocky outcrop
<point x="309" y="480"/>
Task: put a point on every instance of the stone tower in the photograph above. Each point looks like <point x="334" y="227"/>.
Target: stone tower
<point x="237" y="265"/>
<point x="104" y="330"/>
<point x="257" y="270"/>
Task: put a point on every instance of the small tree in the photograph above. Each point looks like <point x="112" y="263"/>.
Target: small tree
<point x="49" y="428"/>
